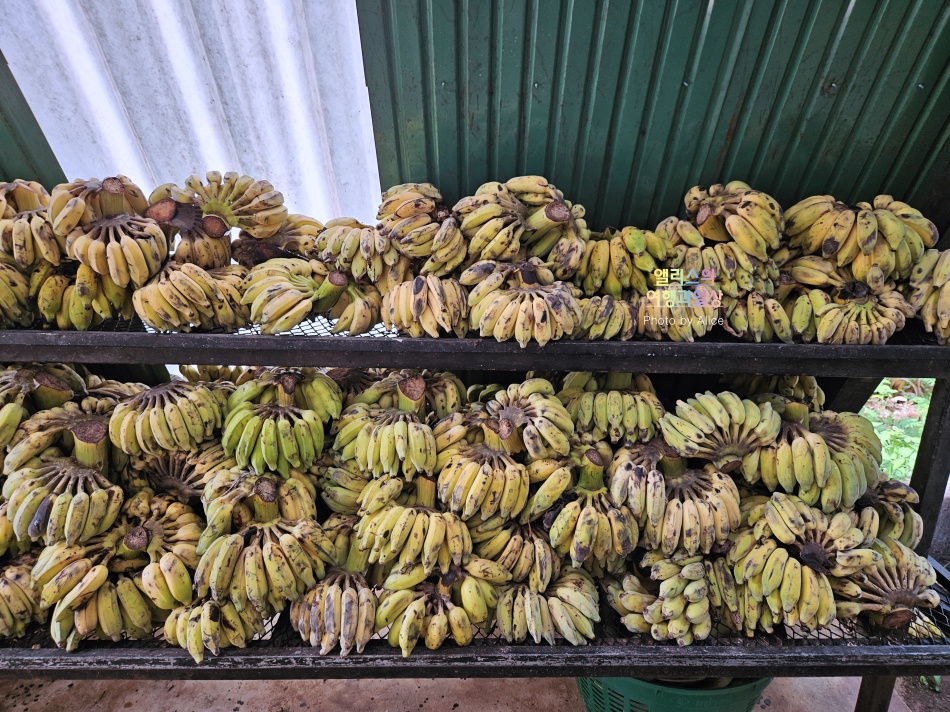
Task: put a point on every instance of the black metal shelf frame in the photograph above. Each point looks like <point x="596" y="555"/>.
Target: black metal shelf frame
<point x="913" y="354"/>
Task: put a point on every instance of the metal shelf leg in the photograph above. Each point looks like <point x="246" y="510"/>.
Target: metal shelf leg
<point x="875" y="694"/>
<point x="933" y="462"/>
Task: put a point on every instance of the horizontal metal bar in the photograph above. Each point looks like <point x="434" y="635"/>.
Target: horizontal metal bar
<point x="380" y="660"/>
<point x="912" y="361"/>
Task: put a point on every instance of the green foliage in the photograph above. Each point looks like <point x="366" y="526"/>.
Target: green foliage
<point x="898" y="418"/>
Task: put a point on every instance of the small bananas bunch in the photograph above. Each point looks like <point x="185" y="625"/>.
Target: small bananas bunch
<point x="890" y="590"/>
<point x="418" y="539"/>
<point x="625" y="409"/>
<point x="480" y="479"/>
<point x="879" y="240"/>
<point x="425" y="613"/>
<point x="82" y="202"/>
<point x="672" y="232"/>
<point x="265" y="565"/>
<point x="357" y="311"/>
<point x="340" y="610"/>
<point x="572" y="605"/>
<point x="752" y="220"/>
<point x="413" y="217"/>
<point x="182" y="474"/>
<point x="851" y="435"/>
<point x="801" y="388"/>
<point x="70" y="427"/>
<point x="26" y="233"/>
<point x="283" y="292"/>
<point x="892" y="499"/>
<point x="608" y="266"/>
<point x="179" y="215"/>
<point x="25" y="388"/>
<point x="183" y="296"/>
<point x="61" y="499"/>
<point x="79" y="301"/>
<point x="493" y="221"/>
<point x="306" y="388"/>
<point x="119" y="241"/>
<point x="233" y="374"/>
<point x="385" y="440"/>
<point x="838" y="545"/>
<point x="297" y="235"/>
<point x="197" y="247"/>
<point x="445" y="249"/>
<point x="231" y="201"/>
<point x="165" y="537"/>
<point x="927" y="293"/>
<point x="342" y="488"/>
<point x="530" y="417"/>
<point x="604" y="318"/>
<point x="177" y="415"/>
<point x="15" y="307"/>
<point x="661" y="315"/>
<point x="19" y="601"/>
<point x="720" y="427"/>
<point x="272" y="437"/>
<point x="681" y="508"/>
<point x="360" y="250"/>
<point x="522" y="612"/>
<point x="427" y="305"/>
<point x="681" y="610"/>
<point x="212" y="626"/>
<point x="524" y="552"/>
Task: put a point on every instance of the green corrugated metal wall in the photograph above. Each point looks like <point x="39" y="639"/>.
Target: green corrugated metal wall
<point x="625" y="105"/>
<point x="24" y="151"/>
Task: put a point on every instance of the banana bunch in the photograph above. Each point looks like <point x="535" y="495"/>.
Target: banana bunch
<point x="570" y="605"/>
<point x="445" y="250"/>
<point x="357" y="311"/>
<point x="303" y="387"/>
<point x="273" y="437"/>
<point x="529" y="417"/>
<point x="339" y="610"/>
<point x="15" y="307"/>
<point x="802" y="388"/>
<point x="265" y="565"/>
<point x="415" y="221"/>
<point x="283" y="292"/>
<point x="81" y="202"/>
<point x="890" y="590"/>
<point x="25" y="388"/>
<point x="426" y="306"/>
<point x="681" y="610"/>
<point x="297" y="235"/>
<point x="417" y="540"/>
<point x="927" y="294"/>
<point x="480" y="479"/>
<point x="604" y="318"/>
<point x="524" y="552"/>
<point x="236" y="498"/>
<point x="183" y="296"/>
<point x="80" y="300"/>
<point x="26" y="233"/>
<point x="182" y="474"/>
<point x="892" y="499"/>
<point x="102" y="395"/>
<point x="801" y="461"/>
<point x="720" y="427"/>
<point x="231" y="201"/>
<point x="424" y="613"/>
<point x="233" y="374"/>
<point x="629" y="598"/>
<point x="165" y="535"/>
<point x="341" y="487"/>
<point x="199" y="248"/>
<point x="734" y="272"/>
<point x="752" y="220"/>
<point x="837" y="545"/>
<point x="622" y="412"/>
<point x="493" y="221"/>
<point x="609" y="265"/>
<point x="660" y="315"/>
<point x="177" y="415"/>
<point x="60" y="499"/>
<point x="671" y="233"/>
<point x="852" y="436"/>
<point x="385" y="440"/>
<point x="530" y="311"/>
<point x="69" y="427"/>
<point x="344" y="244"/>
<point x="853" y="235"/>
<point x="19" y="601"/>
<point x="556" y="233"/>
<point x="209" y="625"/>
<point x="680" y="508"/>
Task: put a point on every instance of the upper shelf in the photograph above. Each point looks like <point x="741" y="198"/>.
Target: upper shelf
<point x="912" y="353"/>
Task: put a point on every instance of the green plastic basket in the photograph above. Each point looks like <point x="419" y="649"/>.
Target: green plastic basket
<point x="627" y="694"/>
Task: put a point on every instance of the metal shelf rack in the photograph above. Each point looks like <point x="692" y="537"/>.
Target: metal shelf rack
<point x="846" y="649"/>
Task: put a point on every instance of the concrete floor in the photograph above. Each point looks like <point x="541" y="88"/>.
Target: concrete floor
<point x="466" y="695"/>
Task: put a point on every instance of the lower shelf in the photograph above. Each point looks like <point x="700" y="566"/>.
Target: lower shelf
<point x="845" y="649"/>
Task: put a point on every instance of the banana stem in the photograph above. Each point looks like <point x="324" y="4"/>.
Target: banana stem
<point x="591" y="472"/>
<point x="111" y="198"/>
<point x="264" y="511"/>
<point x="91" y="446"/>
<point x="425" y="491"/>
<point x="411" y="394"/>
